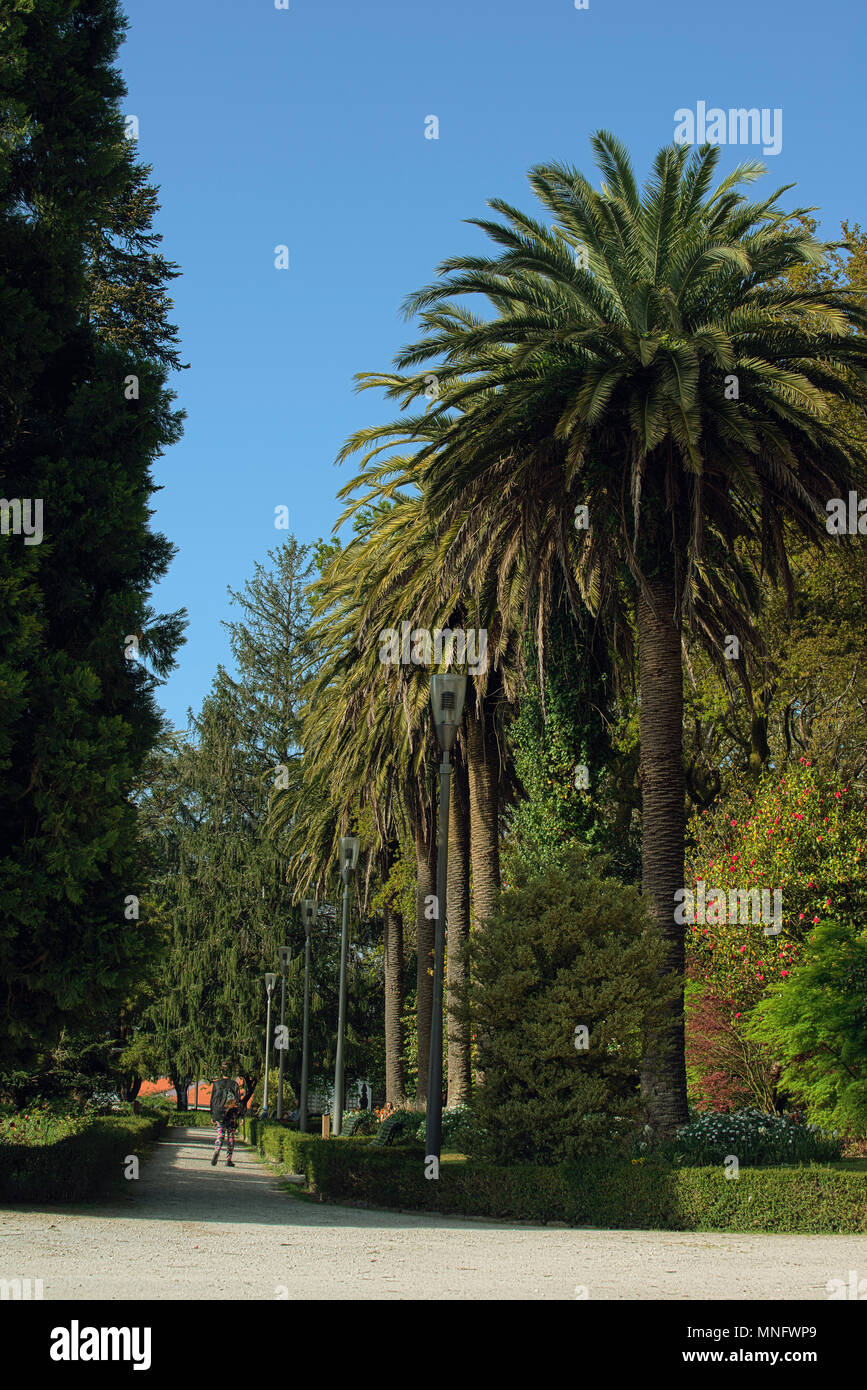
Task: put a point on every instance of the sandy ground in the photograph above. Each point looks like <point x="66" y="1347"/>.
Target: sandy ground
<point x="186" y="1230"/>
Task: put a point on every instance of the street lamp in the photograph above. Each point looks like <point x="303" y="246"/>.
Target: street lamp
<point x="270" y="982"/>
<point x="285" y="957"/>
<point x="349" y="845"/>
<point x="308" y="917"/>
<point x="447" y="694"/>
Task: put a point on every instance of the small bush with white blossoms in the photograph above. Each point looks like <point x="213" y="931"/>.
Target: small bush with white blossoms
<point x="754" y="1138"/>
<point x="461" y="1130"/>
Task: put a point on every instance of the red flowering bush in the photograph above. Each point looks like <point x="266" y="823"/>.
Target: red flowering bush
<point x="802" y="833"/>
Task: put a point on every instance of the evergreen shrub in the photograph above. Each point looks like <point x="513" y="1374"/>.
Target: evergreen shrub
<point x="567" y="949"/>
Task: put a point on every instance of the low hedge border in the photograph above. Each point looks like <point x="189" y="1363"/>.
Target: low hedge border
<point x="643" y="1195"/>
<point x="193" y="1119"/>
<point x="79" y="1166"/>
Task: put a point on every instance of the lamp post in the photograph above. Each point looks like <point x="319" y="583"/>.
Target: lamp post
<point x="308" y="916"/>
<point x="270" y="982"/>
<point x="285" y="957"/>
<point x="447" y="694"/>
<point x="349" y="846"/>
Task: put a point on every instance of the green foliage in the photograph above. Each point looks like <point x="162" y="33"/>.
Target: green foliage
<point x="86" y="1161"/>
<point x="273" y="1087"/>
<point x="634" y="1195"/>
<point x="568" y="949"/>
<point x="755" y="1138"/>
<point x="218" y="881"/>
<point x="84" y="306"/>
<point x="460" y="1130"/>
<point x="169" y="1113"/>
<point x="817" y="1024"/>
<point x="39" y="1124"/>
<point x="559" y="725"/>
<point x="803" y="833"/>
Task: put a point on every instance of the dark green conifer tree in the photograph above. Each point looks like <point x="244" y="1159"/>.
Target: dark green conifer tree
<point x="85" y="410"/>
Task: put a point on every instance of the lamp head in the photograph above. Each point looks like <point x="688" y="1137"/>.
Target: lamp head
<point x="285" y="955"/>
<point x="447" y="694"/>
<point x="308" y="913"/>
<point x="349" y="847"/>
<point x="270" y="982"/>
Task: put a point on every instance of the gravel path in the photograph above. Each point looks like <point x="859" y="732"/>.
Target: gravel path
<point x="187" y="1230"/>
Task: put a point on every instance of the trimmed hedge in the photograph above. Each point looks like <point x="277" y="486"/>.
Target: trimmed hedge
<point x="195" y="1119"/>
<point x="642" y="1195"/>
<point x="171" y="1115"/>
<point x="76" y="1167"/>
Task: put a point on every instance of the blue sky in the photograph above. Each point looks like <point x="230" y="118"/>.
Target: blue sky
<point x="305" y="127"/>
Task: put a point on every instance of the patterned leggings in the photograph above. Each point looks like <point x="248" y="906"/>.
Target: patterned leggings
<point x="226" y="1132"/>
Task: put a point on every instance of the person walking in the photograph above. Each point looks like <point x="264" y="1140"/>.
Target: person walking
<point x="225" y="1112"/>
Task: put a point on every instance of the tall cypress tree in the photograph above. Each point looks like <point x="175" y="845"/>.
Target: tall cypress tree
<point x="85" y="410"/>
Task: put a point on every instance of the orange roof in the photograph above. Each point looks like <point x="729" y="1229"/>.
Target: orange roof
<point x="164" y="1087"/>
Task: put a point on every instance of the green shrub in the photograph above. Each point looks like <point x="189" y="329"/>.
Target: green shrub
<point x="460" y="1130"/>
<point x="816" y="1023"/>
<point x="171" y="1115"/>
<point x="644" y="1194"/>
<point x="193" y="1119"/>
<point x="567" y="949"/>
<point x="40" y="1124"/>
<point x="754" y="1138"/>
<point x="258" y="1098"/>
<point x="85" y="1163"/>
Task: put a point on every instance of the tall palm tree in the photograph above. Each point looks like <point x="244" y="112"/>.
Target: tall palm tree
<point x="441" y="587"/>
<point x="642" y="357"/>
<point x="368" y="735"/>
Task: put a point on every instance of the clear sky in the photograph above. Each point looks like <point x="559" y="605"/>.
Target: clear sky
<point x="305" y="127"/>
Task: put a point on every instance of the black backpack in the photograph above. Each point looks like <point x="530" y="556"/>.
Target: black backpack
<point x="222" y="1098"/>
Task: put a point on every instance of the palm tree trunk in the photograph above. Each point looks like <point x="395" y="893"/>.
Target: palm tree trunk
<point x="663" y="787"/>
<point x="484" y="780"/>
<point x="458" y="918"/>
<point x="395" y="1081"/>
<point x="425" y="890"/>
